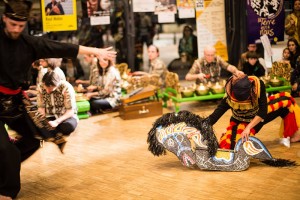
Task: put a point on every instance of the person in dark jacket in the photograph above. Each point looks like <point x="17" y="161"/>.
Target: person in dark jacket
<point x="252" y="66"/>
<point x="17" y="52"/>
<point x="188" y="44"/>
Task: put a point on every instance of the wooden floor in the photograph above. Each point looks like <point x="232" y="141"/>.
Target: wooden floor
<point x="107" y="158"/>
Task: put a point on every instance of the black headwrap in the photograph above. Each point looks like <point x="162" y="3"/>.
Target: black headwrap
<point x="17" y="10"/>
<point x="241" y="90"/>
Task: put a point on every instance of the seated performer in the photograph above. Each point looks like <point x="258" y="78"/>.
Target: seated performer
<point x="61" y="112"/>
<point x="90" y="62"/>
<point x="157" y="65"/>
<point x="208" y="68"/>
<point x="246" y="97"/>
<point x="105" y="91"/>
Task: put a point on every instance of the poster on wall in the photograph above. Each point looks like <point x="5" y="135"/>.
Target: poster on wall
<point x="143" y="6"/>
<point x="265" y="17"/>
<point x="211" y="28"/>
<point x="99" y="11"/>
<point x="186" y="8"/>
<point x="165" y="6"/>
<point x="165" y="10"/>
<point x="59" y="15"/>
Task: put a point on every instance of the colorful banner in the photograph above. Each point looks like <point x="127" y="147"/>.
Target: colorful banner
<point x="265" y="17"/>
<point x="211" y="27"/>
<point x="59" y="15"/>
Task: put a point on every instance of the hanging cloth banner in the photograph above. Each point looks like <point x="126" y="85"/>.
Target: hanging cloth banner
<point x="211" y="28"/>
<point x="59" y="15"/>
<point x="265" y="17"/>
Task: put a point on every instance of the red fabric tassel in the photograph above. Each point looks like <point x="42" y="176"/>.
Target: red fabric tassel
<point x="290" y="125"/>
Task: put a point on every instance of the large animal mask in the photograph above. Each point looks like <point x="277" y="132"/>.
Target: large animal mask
<point x="191" y="138"/>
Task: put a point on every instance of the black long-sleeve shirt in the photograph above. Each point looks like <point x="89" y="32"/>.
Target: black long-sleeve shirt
<point x="224" y="106"/>
<point x="254" y="70"/>
<point x="16" y="56"/>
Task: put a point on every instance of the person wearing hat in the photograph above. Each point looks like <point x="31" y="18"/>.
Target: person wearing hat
<point x="251" y="109"/>
<point x="17" y="52"/>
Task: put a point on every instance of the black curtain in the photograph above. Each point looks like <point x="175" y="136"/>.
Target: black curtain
<point x="236" y="23"/>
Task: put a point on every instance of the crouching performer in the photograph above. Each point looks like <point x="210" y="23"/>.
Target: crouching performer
<point x="251" y="110"/>
<point x="192" y="139"/>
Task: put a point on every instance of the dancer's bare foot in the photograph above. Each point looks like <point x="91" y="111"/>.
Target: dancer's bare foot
<point x="296" y="137"/>
<point x="5" y="197"/>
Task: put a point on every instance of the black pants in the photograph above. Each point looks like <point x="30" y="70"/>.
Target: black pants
<point x="11" y="155"/>
<point x="99" y="104"/>
<point x="66" y="127"/>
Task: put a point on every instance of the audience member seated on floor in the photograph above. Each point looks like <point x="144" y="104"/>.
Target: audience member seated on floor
<point x="252" y="47"/>
<point x="246" y="97"/>
<point x="252" y="67"/>
<point x="72" y="69"/>
<point x="188" y="44"/>
<point x="56" y="100"/>
<point x="84" y="61"/>
<point x="293" y="46"/>
<point x="90" y="62"/>
<point x="208" y="68"/>
<point x="157" y="66"/>
<point x="282" y="68"/>
<point x="105" y="93"/>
